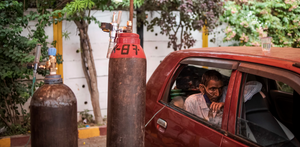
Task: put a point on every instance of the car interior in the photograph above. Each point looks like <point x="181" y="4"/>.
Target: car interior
<point x="271" y="114"/>
<point x="268" y="118"/>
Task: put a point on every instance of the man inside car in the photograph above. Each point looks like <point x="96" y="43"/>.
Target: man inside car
<point x="210" y="101"/>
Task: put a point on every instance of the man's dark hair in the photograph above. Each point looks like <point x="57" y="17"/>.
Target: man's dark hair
<point x="211" y="75"/>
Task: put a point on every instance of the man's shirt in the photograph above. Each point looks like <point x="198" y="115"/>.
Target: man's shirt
<point x="198" y="105"/>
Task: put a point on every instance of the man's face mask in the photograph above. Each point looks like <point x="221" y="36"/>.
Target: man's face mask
<point x="214" y="91"/>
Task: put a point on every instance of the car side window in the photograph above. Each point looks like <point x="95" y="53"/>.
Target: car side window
<point x="284" y="87"/>
<point x="184" y="94"/>
<point x="265" y="114"/>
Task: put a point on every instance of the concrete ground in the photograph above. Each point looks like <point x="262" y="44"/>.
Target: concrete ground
<point x="99" y="141"/>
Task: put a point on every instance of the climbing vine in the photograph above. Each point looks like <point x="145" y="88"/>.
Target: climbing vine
<point x="16" y="50"/>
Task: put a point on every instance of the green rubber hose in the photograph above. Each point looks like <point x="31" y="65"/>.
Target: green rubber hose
<point x="32" y="88"/>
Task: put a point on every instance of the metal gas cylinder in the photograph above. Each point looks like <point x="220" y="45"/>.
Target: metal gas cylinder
<point x="53" y="110"/>
<point x="126" y="93"/>
<point x="53" y="113"/>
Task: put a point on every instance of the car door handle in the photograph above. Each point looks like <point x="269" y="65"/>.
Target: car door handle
<point x="162" y="123"/>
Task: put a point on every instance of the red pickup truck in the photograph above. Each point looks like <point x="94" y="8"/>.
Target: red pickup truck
<point x="268" y="118"/>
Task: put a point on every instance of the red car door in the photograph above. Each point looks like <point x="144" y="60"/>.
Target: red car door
<point x="251" y="122"/>
<point x="229" y="140"/>
<point x="180" y="131"/>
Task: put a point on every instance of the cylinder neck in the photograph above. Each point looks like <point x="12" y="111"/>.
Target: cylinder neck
<point x="53" y="79"/>
<point x="130" y="38"/>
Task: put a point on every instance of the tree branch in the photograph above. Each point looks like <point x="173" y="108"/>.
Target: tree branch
<point x="83" y="64"/>
<point x="62" y="4"/>
<point x="8" y="109"/>
<point x="6" y="122"/>
<point x="91" y="53"/>
<point x="181" y="36"/>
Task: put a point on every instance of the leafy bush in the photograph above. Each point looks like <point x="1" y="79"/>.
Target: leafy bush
<point x="15" y="53"/>
<point x="14" y="50"/>
<point x="124" y="4"/>
<point x="251" y="19"/>
<point x="19" y="128"/>
<point x="85" y="115"/>
<point x="193" y="15"/>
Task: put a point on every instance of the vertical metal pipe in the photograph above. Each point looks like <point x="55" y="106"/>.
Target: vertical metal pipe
<point x="131" y="11"/>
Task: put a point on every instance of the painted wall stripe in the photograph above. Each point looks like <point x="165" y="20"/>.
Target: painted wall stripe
<point x="204" y="36"/>
<point x="204" y="39"/>
<point x="87" y="133"/>
<point x="5" y="142"/>
<point x="57" y="35"/>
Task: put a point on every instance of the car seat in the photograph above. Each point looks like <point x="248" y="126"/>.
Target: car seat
<point x="265" y="128"/>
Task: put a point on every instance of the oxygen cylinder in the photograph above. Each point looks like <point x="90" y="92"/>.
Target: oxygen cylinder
<point x="126" y="93"/>
<point x="53" y="113"/>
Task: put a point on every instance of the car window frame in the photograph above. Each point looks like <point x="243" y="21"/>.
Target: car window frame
<point x="289" y="77"/>
<point x="201" y="61"/>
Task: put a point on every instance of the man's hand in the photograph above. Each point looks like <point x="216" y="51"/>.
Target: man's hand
<point x="216" y="106"/>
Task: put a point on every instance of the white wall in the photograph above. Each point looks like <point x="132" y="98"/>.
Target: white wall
<point x="72" y="69"/>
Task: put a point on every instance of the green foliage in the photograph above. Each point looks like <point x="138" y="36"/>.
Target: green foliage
<point x="85" y="115"/>
<point x="78" y="6"/>
<point x="125" y="4"/>
<point x="177" y="19"/>
<point x="76" y="11"/>
<point x="284" y="87"/>
<point x="81" y="125"/>
<point x="66" y="35"/>
<point x="14" y="50"/>
<point x="250" y="20"/>
<point x="15" y="53"/>
<point x="22" y="128"/>
<point x="59" y="59"/>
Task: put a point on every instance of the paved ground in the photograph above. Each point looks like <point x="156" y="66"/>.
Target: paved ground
<point x="99" y="141"/>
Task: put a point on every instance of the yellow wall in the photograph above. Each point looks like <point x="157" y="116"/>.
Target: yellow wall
<point x="204" y="37"/>
<point x="88" y="133"/>
<point x="57" y="35"/>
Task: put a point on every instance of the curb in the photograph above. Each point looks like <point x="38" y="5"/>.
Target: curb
<point x="83" y="133"/>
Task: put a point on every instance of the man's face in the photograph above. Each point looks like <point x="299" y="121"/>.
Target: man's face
<point x="213" y="90"/>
